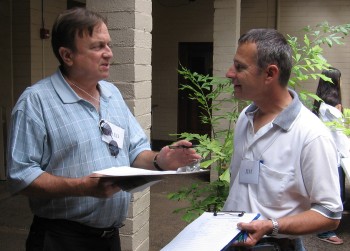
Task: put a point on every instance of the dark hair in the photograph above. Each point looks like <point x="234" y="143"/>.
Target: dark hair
<point x="272" y="48"/>
<point x="68" y="24"/>
<point x="329" y="92"/>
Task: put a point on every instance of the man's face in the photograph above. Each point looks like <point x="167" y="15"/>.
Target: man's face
<point x="247" y="77"/>
<point x="91" y="60"/>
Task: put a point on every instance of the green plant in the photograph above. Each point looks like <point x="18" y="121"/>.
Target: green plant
<point x="346" y="123"/>
<point x="308" y="56"/>
<point x="213" y="94"/>
<point x="342" y="124"/>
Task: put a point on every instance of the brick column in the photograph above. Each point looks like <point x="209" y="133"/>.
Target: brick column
<point x="227" y="15"/>
<point x="130" y="26"/>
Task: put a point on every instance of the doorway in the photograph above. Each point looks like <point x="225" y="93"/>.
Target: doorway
<point x="197" y="57"/>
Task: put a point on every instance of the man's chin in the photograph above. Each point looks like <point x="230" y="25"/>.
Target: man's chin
<point x="237" y="91"/>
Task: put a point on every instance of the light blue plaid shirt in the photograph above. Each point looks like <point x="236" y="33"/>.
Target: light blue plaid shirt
<point x="53" y="130"/>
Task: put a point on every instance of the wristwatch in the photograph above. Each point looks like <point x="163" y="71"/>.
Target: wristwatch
<point x="275" y="227"/>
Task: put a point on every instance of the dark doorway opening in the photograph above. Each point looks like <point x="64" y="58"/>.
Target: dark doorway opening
<point x="197" y="57"/>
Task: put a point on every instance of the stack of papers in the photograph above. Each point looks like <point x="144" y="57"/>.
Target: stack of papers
<point x="131" y="179"/>
<point x="209" y="232"/>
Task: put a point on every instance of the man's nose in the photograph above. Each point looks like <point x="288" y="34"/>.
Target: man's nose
<point x="108" y="52"/>
<point x="231" y="72"/>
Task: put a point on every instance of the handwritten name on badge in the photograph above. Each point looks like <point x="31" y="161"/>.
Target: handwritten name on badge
<point x="249" y="172"/>
<point x="117" y="135"/>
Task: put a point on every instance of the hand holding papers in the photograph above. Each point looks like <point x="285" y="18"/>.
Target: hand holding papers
<point x="210" y="232"/>
<point x="132" y="179"/>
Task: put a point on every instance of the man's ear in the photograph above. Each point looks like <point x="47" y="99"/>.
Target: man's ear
<point x="272" y="72"/>
<point x="66" y="55"/>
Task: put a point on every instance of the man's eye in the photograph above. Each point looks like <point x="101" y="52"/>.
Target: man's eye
<point x="238" y="67"/>
<point x="97" y="46"/>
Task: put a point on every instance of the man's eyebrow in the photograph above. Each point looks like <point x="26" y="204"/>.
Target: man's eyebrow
<point x="237" y="61"/>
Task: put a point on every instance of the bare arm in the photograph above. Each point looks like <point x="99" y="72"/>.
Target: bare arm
<point x="50" y="186"/>
<point x="167" y="159"/>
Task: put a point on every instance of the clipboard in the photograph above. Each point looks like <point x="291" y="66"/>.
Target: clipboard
<point x="210" y="231"/>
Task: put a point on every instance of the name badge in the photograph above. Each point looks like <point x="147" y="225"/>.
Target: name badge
<point x="249" y="172"/>
<point x="116" y="135"/>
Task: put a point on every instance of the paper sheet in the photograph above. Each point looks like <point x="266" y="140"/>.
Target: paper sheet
<point x="209" y="232"/>
<point x="131" y="171"/>
<point x="131" y="179"/>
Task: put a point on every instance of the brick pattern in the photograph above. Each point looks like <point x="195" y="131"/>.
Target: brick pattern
<point x="130" y="26"/>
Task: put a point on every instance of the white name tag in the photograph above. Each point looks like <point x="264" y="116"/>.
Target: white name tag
<point x="117" y="135"/>
<point x="249" y="172"/>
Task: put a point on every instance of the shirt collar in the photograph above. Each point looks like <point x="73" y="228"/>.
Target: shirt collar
<point x="286" y="118"/>
<point x="67" y="94"/>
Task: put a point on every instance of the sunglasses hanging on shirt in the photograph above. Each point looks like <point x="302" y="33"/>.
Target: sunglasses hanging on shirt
<point x="106" y="129"/>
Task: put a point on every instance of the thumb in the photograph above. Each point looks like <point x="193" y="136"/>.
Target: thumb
<point x="243" y="226"/>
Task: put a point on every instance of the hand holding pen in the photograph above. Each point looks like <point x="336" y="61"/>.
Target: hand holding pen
<point x="170" y="158"/>
<point x="250" y="233"/>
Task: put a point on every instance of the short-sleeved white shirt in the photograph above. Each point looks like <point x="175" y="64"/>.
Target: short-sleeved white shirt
<point x="298" y="169"/>
<point x="328" y="113"/>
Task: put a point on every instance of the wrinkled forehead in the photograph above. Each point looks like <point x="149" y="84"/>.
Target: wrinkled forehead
<point x="246" y="53"/>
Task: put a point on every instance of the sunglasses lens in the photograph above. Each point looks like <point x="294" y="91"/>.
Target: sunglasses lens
<point x="106" y="129"/>
<point x="112" y="145"/>
<point x="113" y="148"/>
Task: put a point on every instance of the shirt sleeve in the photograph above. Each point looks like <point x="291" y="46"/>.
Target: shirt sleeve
<point x="321" y="178"/>
<point x="25" y="151"/>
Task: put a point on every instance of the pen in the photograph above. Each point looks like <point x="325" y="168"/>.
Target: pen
<point x="242" y="237"/>
<point x="182" y="146"/>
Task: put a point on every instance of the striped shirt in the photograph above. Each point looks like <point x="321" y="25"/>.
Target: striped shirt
<point x="53" y="130"/>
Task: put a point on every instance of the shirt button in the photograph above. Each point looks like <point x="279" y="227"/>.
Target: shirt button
<point x="91" y="109"/>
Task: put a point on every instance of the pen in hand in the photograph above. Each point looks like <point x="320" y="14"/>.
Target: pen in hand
<point x="182" y="146"/>
<point x="242" y="236"/>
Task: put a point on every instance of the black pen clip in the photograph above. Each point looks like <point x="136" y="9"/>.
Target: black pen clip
<point x="238" y="213"/>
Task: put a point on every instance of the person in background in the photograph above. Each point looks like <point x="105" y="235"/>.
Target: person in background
<point x="284" y="156"/>
<point x="330" y="109"/>
<point x="69" y="125"/>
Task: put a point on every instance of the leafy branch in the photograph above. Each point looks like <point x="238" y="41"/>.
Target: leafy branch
<point x="308" y="57"/>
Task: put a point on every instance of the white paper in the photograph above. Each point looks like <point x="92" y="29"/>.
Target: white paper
<point x="131" y="171"/>
<point x="132" y="179"/>
<point x="209" y="232"/>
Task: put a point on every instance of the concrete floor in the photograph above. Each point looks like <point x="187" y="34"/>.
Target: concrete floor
<point x="15" y="218"/>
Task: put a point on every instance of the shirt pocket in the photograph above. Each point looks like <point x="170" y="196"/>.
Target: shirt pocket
<point x="272" y="186"/>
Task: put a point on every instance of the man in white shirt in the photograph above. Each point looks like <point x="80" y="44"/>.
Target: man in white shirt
<point x="284" y="160"/>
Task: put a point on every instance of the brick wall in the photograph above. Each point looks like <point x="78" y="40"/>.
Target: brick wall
<point x="130" y="26"/>
<point x="294" y="15"/>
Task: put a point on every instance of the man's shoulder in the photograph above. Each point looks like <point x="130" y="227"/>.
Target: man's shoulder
<point x="110" y="89"/>
<point x="309" y="123"/>
<point x="36" y="93"/>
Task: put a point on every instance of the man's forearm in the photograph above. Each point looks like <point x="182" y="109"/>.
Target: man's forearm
<point x="50" y="186"/>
